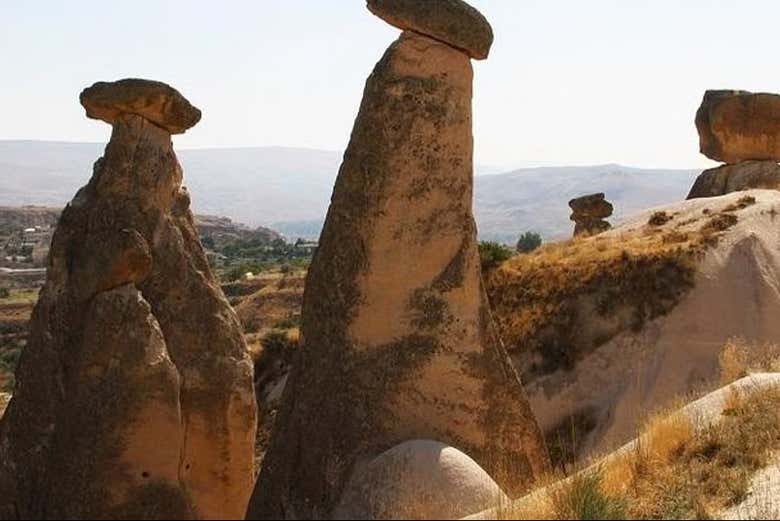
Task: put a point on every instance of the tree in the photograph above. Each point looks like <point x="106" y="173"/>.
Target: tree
<point x="528" y="242"/>
<point x="493" y="254"/>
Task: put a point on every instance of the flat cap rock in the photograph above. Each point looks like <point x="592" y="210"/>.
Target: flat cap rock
<point x="737" y="126"/>
<point x="594" y="206"/>
<point x="453" y="22"/>
<point x="154" y="101"/>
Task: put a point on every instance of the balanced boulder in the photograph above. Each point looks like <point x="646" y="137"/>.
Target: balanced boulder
<point x="737" y="126"/>
<point x="736" y="178"/>
<point x="134" y="396"/>
<point x="589" y="213"/>
<point x="453" y="22"/>
<point x="399" y="341"/>
<point x="154" y="101"/>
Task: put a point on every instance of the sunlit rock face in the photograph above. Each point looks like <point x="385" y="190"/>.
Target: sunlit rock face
<point x="134" y="397"/>
<point x="399" y="340"/>
<point x="736" y="126"/>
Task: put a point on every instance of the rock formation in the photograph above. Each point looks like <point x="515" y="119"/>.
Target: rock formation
<point x="742" y="130"/>
<point x="589" y="213"/>
<point x="419" y="479"/>
<point x="134" y="397"/>
<point x="399" y="342"/>
<point x="736" y="178"/>
<point x="736" y="126"/>
<point x="608" y="331"/>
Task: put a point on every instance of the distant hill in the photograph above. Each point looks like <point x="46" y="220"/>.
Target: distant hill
<point x="288" y="189"/>
<point x="536" y="199"/>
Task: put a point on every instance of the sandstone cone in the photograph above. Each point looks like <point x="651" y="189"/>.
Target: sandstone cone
<point x="589" y="212"/>
<point x="737" y="126"/>
<point x="399" y="339"/>
<point x="736" y="178"/>
<point x="134" y="397"/>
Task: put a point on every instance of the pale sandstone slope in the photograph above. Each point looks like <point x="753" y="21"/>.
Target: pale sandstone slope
<point x="736" y="292"/>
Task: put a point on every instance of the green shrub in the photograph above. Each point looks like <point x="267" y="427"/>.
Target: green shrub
<point x="288" y="323"/>
<point x="277" y="346"/>
<point x="5" y="293"/>
<point x="528" y="242"/>
<point x="493" y="254"/>
<point x="584" y="498"/>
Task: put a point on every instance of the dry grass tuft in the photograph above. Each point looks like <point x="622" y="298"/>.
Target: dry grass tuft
<point x="659" y="219"/>
<point x="675" y="471"/>
<point x="743" y="203"/>
<point x="740" y="358"/>
<point x="584" y="497"/>
<point x="719" y="223"/>
<point x="4" y="399"/>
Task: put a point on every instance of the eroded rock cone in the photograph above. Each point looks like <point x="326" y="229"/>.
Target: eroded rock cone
<point x="736" y="178"/>
<point x="134" y="397"/>
<point x="737" y="126"/>
<point x="399" y="340"/>
<point x="589" y="213"/>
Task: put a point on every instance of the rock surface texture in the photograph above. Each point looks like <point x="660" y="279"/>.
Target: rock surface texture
<point x="419" y="479"/>
<point x="154" y="101"/>
<point x="737" y="126"/>
<point x="399" y="342"/>
<point x="736" y="178"/>
<point x="589" y="213"/>
<point x="134" y="397"/>
<point x="742" y="130"/>
<point x="453" y="22"/>
<point x="614" y="387"/>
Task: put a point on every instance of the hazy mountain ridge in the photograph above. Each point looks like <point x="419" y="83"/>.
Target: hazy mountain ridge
<point x="289" y="189"/>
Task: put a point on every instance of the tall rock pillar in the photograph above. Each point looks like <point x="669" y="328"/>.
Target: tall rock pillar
<point x="399" y="339"/>
<point x="134" y="397"/>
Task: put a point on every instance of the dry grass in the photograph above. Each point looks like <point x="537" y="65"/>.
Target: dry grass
<point x="743" y="203"/>
<point x="740" y="358"/>
<point x="539" y="298"/>
<point x="564" y="300"/>
<point x="659" y="219"/>
<point x="675" y="471"/>
<point x="4" y="399"/>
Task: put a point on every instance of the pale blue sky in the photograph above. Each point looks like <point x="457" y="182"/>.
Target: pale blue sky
<point x="569" y="81"/>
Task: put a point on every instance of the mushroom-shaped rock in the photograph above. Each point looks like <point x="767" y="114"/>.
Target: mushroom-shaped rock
<point x="154" y="101"/>
<point x="453" y="22"/>
<point x="134" y="398"/>
<point x="736" y="178"/>
<point x="593" y="206"/>
<point x="589" y="212"/>
<point x="399" y="342"/>
<point x="738" y="126"/>
<point x="419" y="479"/>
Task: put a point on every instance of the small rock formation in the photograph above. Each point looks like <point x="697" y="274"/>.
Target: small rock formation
<point x="134" y="397"/>
<point x="589" y="213"/>
<point x="399" y="341"/>
<point x="419" y="479"/>
<point x="742" y="130"/>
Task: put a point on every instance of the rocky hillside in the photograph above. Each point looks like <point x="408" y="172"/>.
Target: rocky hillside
<point x="606" y="328"/>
